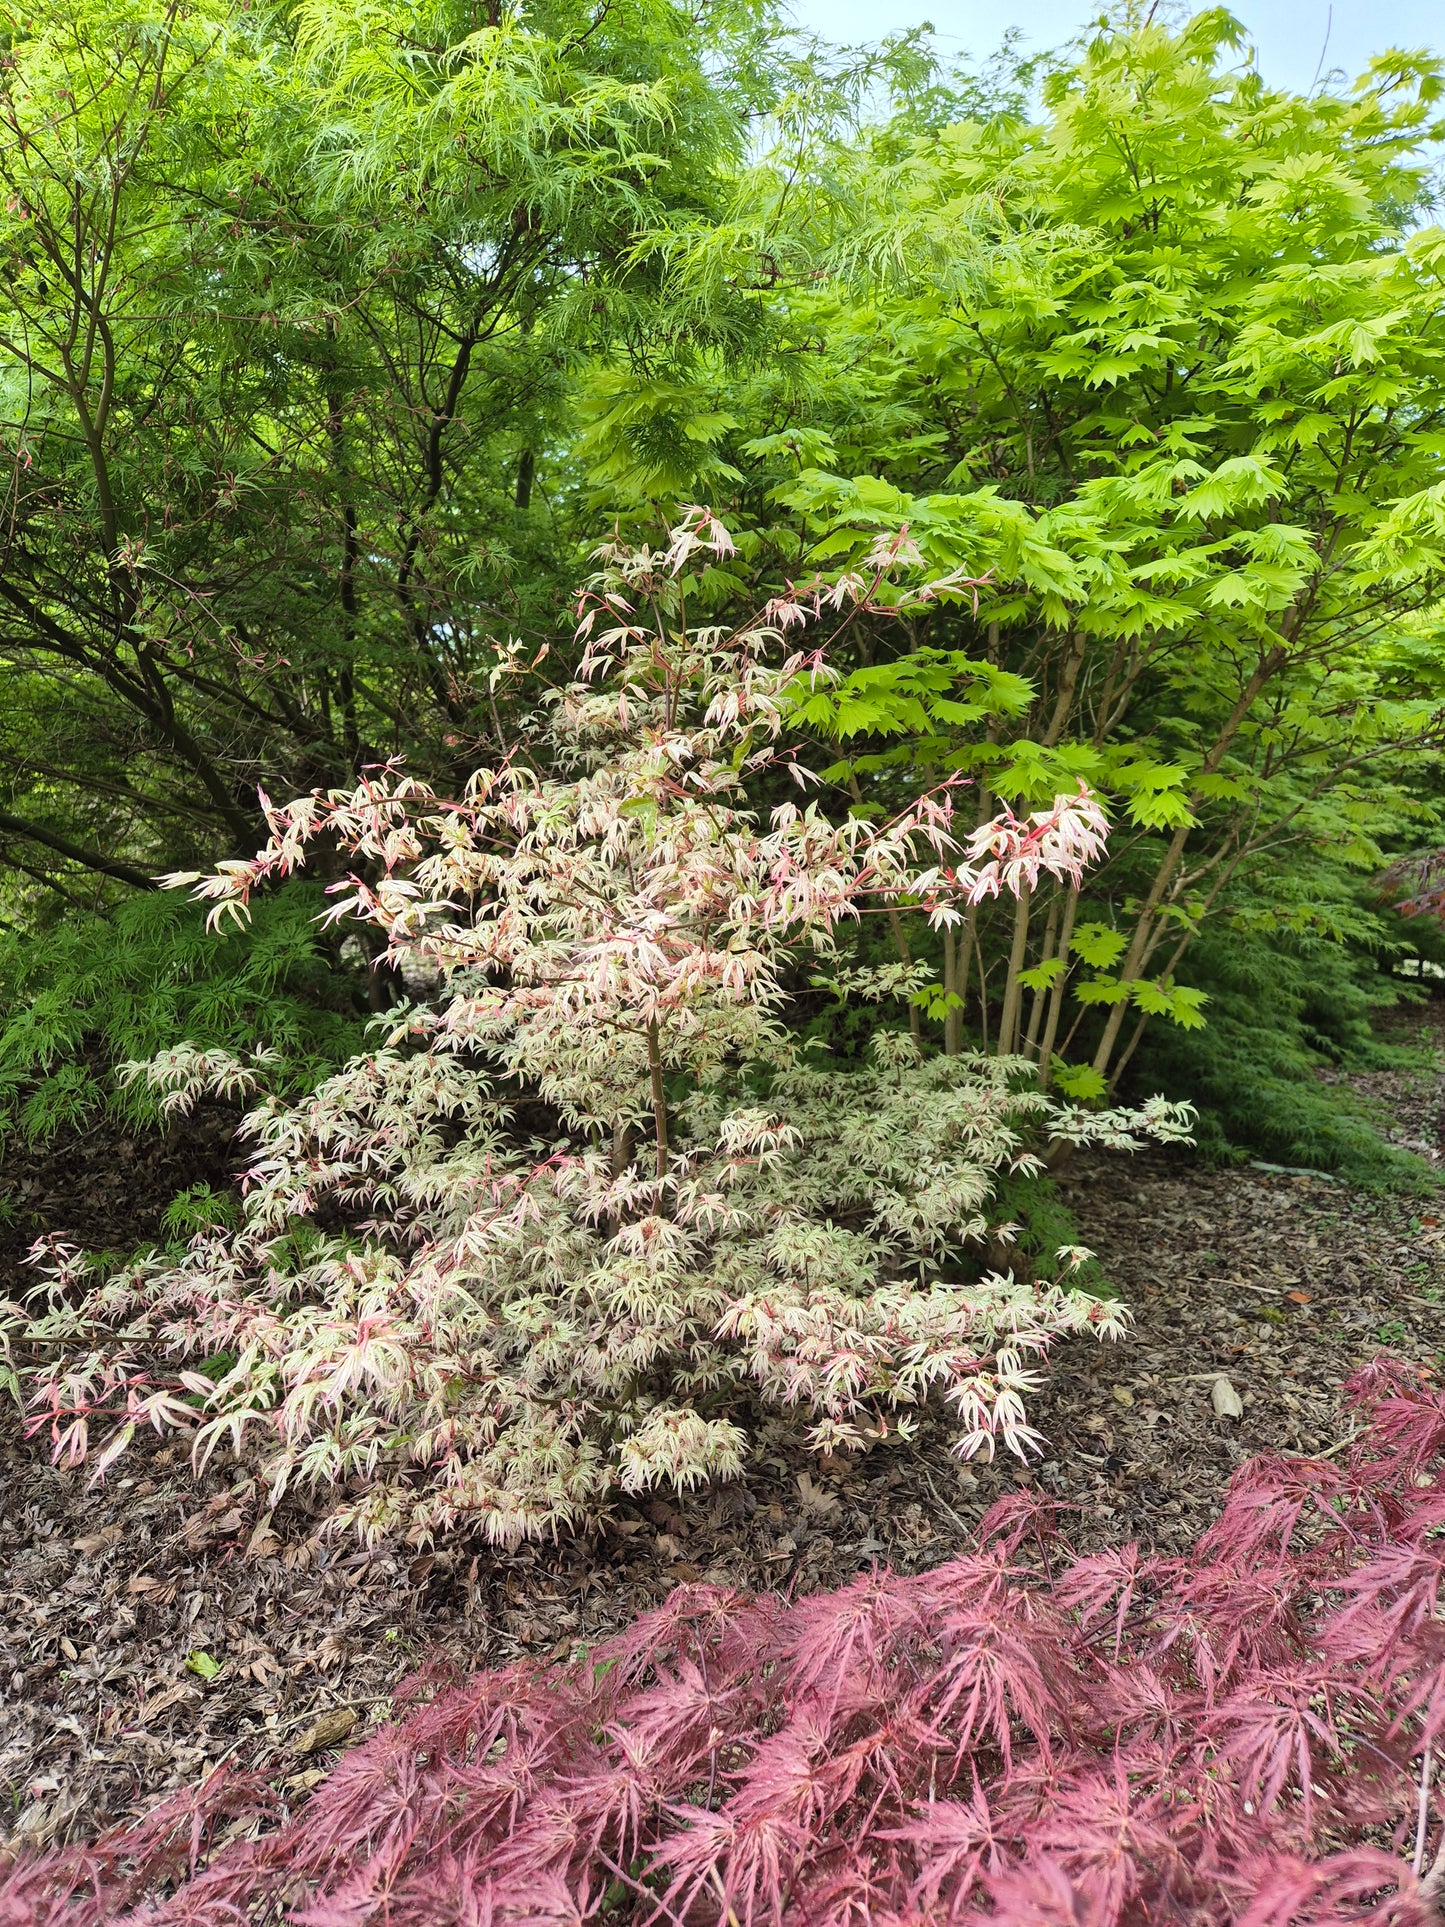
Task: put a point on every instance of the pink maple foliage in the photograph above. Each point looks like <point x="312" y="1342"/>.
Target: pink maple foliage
<point x="1244" y="1735"/>
<point x="593" y="1204"/>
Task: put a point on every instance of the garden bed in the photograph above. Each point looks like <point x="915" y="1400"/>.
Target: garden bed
<point x="155" y="1627"/>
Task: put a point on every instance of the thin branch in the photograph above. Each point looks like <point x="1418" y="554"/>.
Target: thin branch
<point x="105" y="866"/>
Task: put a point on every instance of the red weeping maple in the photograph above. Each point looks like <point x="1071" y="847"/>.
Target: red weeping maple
<point x="1245" y="1735"/>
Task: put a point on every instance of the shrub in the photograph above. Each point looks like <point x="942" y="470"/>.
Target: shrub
<point x="593" y="1198"/>
<point x="1279" y="1009"/>
<point x="1244" y="1735"/>
<point x="97" y="991"/>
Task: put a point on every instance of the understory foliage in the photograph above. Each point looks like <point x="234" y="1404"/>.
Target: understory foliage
<point x="1280" y="1009"/>
<point x="593" y="1197"/>
<point x="95" y="993"/>
<point x="1243" y="1735"/>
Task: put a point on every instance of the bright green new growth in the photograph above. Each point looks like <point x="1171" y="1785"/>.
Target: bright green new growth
<point x="1164" y="370"/>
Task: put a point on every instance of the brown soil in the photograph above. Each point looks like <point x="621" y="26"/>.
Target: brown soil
<point x="1280" y="1283"/>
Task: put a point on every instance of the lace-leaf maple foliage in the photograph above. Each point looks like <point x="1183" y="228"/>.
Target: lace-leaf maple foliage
<point x="1242" y="1736"/>
<point x="518" y="1318"/>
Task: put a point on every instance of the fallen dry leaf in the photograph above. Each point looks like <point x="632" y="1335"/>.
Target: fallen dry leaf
<point x="42" y="1821"/>
<point x="150" y="1707"/>
<point x="1298" y="1297"/>
<point x="329" y="1730"/>
<point x="98" y="1541"/>
<point x="816" y="1498"/>
<point x="1225" y="1400"/>
<point x="263" y="1542"/>
<point x="207" y="1525"/>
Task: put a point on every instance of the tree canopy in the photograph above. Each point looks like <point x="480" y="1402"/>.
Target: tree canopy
<point x="331" y="341"/>
<point x="292" y="297"/>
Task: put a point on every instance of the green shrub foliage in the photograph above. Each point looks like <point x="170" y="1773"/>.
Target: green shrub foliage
<point x="95" y="992"/>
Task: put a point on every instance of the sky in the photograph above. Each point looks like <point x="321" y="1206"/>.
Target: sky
<point x="1291" y="35"/>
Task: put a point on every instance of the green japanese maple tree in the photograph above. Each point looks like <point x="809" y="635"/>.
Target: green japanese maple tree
<point x="1164" y="369"/>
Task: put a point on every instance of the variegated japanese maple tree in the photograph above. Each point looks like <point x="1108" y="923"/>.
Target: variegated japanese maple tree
<point x="592" y="1205"/>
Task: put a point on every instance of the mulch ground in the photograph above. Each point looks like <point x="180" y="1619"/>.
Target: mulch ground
<point x="105" y="1191"/>
<point x="156" y="1626"/>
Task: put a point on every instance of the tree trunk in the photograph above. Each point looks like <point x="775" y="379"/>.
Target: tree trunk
<point x="1013" y="990"/>
<point x="659" y="1095"/>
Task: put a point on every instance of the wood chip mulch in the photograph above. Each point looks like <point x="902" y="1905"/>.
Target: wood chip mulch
<point x="155" y="1626"/>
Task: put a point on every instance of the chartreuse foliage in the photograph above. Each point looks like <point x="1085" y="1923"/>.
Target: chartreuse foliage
<point x="1239" y="1737"/>
<point x="505" y="1325"/>
<point x="1162" y="371"/>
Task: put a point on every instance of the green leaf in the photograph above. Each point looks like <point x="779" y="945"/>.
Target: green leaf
<point x="1080" y="1081"/>
<point x="1042" y="976"/>
<point x="1160" y="810"/>
<point x="1097" y="945"/>
<point x="1102" y="990"/>
<point x="1180" y="1004"/>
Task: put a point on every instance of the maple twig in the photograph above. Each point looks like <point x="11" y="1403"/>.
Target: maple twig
<point x="1423" y="1814"/>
